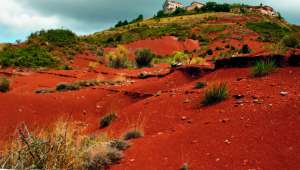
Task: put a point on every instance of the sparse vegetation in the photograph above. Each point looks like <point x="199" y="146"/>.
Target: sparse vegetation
<point x="64" y="147"/>
<point x="200" y="85"/>
<point x="62" y="87"/>
<point x="263" y="68"/>
<point x="215" y="94"/>
<point x="133" y="134"/>
<point x="143" y="58"/>
<point x="291" y="41"/>
<point x="106" y="120"/>
<point x="245" y="49"/>
<point x="4" y="84"/>
<point x="185" y="166"/>
<point x="31" y="56"/>
<point x="118" y="58"/>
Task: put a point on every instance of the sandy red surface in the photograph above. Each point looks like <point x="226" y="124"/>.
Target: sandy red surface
<point x="229" y="135"/>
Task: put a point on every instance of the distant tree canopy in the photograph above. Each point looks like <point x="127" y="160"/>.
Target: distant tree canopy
<point x="123" y="23"/>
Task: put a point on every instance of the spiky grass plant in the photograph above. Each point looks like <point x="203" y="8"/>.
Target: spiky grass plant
<point x="215" y="94"/>
<point x="63" y="147"/>
<point x="263" y="68"/>
<point x="107" y="119"/>
<point x="133" y="134"/>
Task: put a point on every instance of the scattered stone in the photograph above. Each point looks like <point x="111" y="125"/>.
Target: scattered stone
<point x="224" y="120"/>
<point x="238" y="96"/>
<point x="239" y="101"/>
<point x="284" y="93"/>
<point x="227" y="141"/>
<point x="190" y="121"/>
<point x="183" y="118"/>
<point x="132" y="160"/>
<point x="217" y="159"/>
<point x="187" y="101"/>
<point x="239" y="78"/>
<point x="257" y="101"/>
<point x="194" y="141"/>
<point x="160" y="133"/>
<point x="158" y="93"/>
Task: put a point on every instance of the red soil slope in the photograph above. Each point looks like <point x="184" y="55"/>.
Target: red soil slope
<point x="162" y="46"/>
<point x="260" y="132"/>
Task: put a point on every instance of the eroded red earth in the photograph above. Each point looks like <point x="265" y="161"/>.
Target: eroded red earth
<point x="262" y="131"/>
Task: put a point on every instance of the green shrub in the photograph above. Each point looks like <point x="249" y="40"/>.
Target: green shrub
<point x="118" y="58"/>
<point x="119" y="144"/>
<point x="31" y="56"/>
<point x="58" y="37"/>
<point x="269" y="31"/>
<point x="107" y="119"/>
<point x="263" y="68"/>
<point x="133" y="134"/>
<point x="200" y="85"/>
<point x="245" y="49"/>
<point x="143" y="57"/>
<point x="4" y="84"/>
<point x="215" y="94"/>
<point x="67" y="87"/>
<point x="210" y="52"/>
<point x="291" y="41"/>
<point x="185" y="166"/>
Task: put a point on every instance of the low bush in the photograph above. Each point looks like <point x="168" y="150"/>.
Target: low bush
<point x="245" y="49"/>
<point x="119" y="144"/>
<point x="200" y="85"/>
<point x="31" y="56"/>
<point x="4" y="84"/>
<point x="107" y="119"/>
<point x="185" y="166"/>
<point x="118" y="58"/>
<point x="291" y="41"/>
<point x="63" y="147"/>
<point x="57" y="37"/>
<point x="67" y="87"/>
<point x="143" y="57"/>
<point x="263" y="68"/>
<point x="215" y="94"/>
<point x="133" y="134"/>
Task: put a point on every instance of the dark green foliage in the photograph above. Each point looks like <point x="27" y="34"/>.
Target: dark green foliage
<point x="64" y="67"/>
<point x="57" y="37"/>
<point x="200" y="85"/>
<point x="143" y="57"/>
<point x="31" y="56"/>
<point x="263" y="68"/>
<point x="269" y="31"/>
<point x="67" y="87"/>
<point x="245" y="49"/>
<point x="215" y="94"/>
<point x="138" y="19"/>
<point x="121" y="23"/>
<point x="291" y="41"/>
<point x="107" y="119"/>
<point x="4" y="84"/>
<point x="133" y="134"/>
<point x="210" y="52"/>
<point x="214" y="7"/>
<point x="185" y="166"/>
<point x="119" y="144"/>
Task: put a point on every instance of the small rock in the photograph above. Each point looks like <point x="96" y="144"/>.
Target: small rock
<point x="217" y="159"/>
<point x="224" y="120"/>
<point x="132" y="160"/>
<point x="284" y="93"/>
<point x="187" y="101"/>
<point x="227" y="141"/>
<point x="257" y="101"/>
<point x="190" y="121"/>
<point x="239" y="79"/>
<point x="158" y="93"/>
<point x="195" y="141"/>
<point x="238" y="96"/>
<point x="183" y="118"/>
<point x="160" y="133"/>
<point x="239" y="101"/>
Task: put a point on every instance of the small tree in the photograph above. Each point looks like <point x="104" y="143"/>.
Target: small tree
<point x="143" y="57"/>
<point x="4" y="84"/>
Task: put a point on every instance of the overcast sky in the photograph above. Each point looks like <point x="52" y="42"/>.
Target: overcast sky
<point x="18" y="18"/>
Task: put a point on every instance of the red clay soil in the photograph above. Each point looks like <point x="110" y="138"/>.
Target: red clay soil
<point x="260" y="132"/>
<point x="165" y="45"/>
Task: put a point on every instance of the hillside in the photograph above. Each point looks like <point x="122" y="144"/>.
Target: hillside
<point x="209" y="90"/>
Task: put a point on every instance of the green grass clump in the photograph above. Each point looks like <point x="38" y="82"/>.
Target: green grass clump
<point x="143" y="57"/>
<point x="185" y="166"/>
<point x="263" y="68"/>
<point x="291" y="41"/>
<point x="67" y="87"/>
<point x="200" y="85"/>
<point x="215" y="94"/>
<point x="269" y="31"/>
<point x="57" y="37"/>
<point x="4" y="84"/>
<point x="133" y="134"/>
<point x="31" y="56"/>
<point x="107" y="119"/>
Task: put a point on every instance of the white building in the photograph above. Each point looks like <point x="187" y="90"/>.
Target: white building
<point x="171" y="5"/>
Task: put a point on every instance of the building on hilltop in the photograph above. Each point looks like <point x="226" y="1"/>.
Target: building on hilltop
<point x="194" y="5"/>
<point x="171" y="5"/>
<point x="264" y="9"/>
